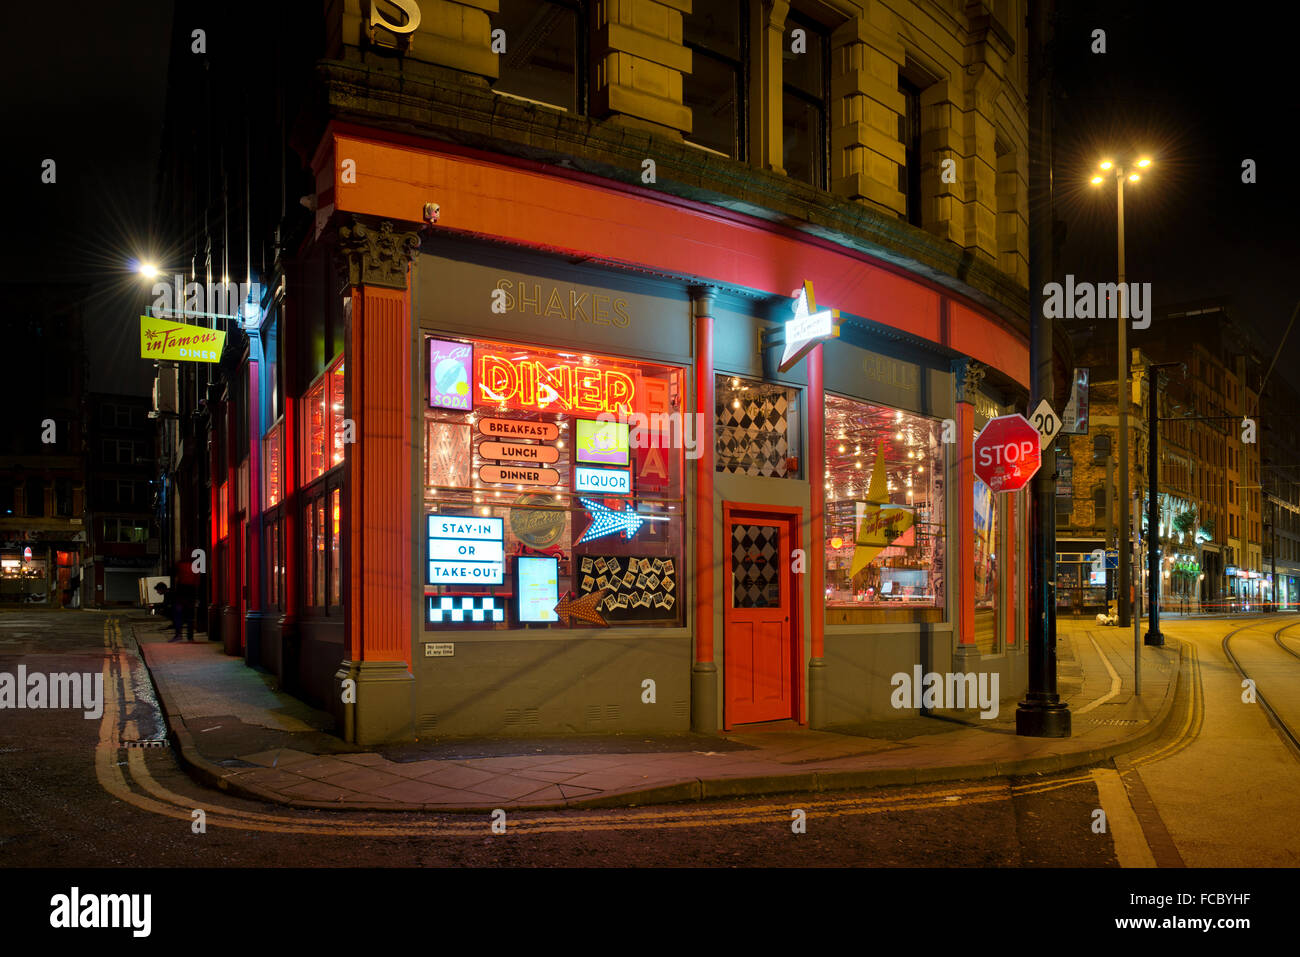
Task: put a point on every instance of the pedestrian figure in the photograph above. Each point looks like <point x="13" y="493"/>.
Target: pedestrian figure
<point x="172" y="606"/>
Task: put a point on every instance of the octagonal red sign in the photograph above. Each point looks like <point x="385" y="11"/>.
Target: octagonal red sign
<point x="1007" y="453"/>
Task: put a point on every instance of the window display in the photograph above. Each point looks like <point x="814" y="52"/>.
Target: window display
<point x="884" y="517"/>
<point x="540" y="481"/>
<point x="323" y="419"/>
<point x="756" y="428"/>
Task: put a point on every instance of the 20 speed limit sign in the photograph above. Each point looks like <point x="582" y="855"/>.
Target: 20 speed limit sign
<point x="1047" y="422"/>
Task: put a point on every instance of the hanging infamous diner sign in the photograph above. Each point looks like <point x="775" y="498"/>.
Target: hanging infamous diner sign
<point x="170" y="340"/>
<point x="807" y="327"/>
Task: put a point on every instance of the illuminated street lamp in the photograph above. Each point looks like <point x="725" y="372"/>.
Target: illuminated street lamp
<point x="1118" y="171"/>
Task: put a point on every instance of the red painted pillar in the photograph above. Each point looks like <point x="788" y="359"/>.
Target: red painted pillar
<point x="704" y="673"/>
<point x="379" y="497"/>
<point x="966" y="519"/>
<point x="254" y="513"/>
<point x="816" y="545"/>
<point x="290" y="484"/>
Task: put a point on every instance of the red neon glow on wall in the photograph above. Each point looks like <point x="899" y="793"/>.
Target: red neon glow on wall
<point x="548" y="385"/>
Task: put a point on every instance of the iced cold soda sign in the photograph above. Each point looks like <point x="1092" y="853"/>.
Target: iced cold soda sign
<point x="451" y="375"/>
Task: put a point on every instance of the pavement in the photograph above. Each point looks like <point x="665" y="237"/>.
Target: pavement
<point x="233" y="729"/>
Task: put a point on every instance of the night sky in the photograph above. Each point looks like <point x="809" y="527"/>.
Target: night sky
<point x="1199" y="93"/>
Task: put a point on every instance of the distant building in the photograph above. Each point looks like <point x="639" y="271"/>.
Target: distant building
<point x="42" y="465"/>
<point x="1211" y="521"/>
<point x="121" y="480"/>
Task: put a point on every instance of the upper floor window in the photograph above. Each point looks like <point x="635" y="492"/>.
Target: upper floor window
<point x="805" y="102"/>
<point x="714" y="31"/>
<point x="545" y="58"/>
<point x="909" y="134"/>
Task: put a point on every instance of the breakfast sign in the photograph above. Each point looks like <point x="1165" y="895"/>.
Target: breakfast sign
<point x="167" y="339"/>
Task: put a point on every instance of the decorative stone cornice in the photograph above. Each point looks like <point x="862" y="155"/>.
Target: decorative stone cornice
<point x="969" y="374"/>
<point x="376" y="255"/>
<point x="478" y="119"/>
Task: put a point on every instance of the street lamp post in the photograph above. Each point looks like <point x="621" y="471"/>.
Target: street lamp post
<point x="1125" y="596"/>
<point x="1153" y="635"/>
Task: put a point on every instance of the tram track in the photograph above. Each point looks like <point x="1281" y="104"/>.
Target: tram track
<point x="1289" y="734"/>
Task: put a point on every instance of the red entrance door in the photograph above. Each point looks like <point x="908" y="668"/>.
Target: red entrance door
<point x="759" y="648"/>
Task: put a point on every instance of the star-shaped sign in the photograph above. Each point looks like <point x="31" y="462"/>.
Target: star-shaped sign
<point x="807" y="327"/>
<point x="879" y="522"/>
<point x="583" y="609"/>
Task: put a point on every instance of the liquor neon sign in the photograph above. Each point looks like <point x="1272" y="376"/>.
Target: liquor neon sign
<point x="551" y="385"/>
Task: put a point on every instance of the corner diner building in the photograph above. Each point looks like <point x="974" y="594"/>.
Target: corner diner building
<point x="438" y="469"/>
<point x="469" y="355"/>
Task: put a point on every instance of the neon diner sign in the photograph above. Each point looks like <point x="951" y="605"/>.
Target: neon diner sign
<point x="554" y="385"/>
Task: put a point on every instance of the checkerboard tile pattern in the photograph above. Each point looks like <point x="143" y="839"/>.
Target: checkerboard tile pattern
<point x="753" y="428"/>
<point x="755" y="566"/>
<point x="445" y="609"/>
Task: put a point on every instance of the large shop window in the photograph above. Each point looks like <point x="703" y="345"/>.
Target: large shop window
<point x="884" y="512"/>
<point x="324" y="418"/>
<point x="322" y="519"/>
<point x="551" y="474"/>
<point x="271" y="456"/>
<point x="757" y="428"/>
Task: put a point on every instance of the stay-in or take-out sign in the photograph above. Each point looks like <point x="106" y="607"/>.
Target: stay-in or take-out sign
<point x="1007" y="453"/>
<point x="807" y="327"/>
<point x="465" y="550"/>
<point x="168" y="339"/>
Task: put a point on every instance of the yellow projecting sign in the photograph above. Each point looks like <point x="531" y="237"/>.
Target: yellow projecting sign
<point x="167" y="339"/>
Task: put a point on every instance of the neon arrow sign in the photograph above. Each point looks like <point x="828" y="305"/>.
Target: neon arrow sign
<point x="606" y="521"/>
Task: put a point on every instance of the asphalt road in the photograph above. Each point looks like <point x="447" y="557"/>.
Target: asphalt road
<point x="1218" y="789"/>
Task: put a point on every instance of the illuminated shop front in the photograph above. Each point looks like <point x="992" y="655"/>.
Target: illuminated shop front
<point x="530" y="497"/>
<point x="533" y="474"/>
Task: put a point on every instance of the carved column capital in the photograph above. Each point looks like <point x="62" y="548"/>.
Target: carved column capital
<point x="376" y="254"/>
<point x="969" y="374"/>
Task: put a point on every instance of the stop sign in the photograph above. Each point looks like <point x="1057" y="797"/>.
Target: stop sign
<point x="1007" y="453"/>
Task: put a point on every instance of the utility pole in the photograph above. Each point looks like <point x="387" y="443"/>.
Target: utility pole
<point x="1042" y="714"/>
<point x="1121" y="387"/>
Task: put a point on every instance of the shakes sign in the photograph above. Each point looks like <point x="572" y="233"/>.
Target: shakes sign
<point x="167" y="339"/>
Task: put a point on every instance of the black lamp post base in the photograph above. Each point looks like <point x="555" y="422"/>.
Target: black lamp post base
<point x="1043" y="719"/>
<point x="1153" y="638"/>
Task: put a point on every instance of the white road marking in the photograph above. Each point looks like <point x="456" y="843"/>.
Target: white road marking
<point x="1114" y="681"/>
<point x="1121" y="821"/>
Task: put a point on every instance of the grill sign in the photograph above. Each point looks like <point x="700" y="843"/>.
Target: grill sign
<point x="1007" y="453"/>
<point x="464" y="550"/>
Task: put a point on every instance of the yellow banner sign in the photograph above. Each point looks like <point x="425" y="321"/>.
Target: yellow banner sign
<point x="168" y="339"/>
